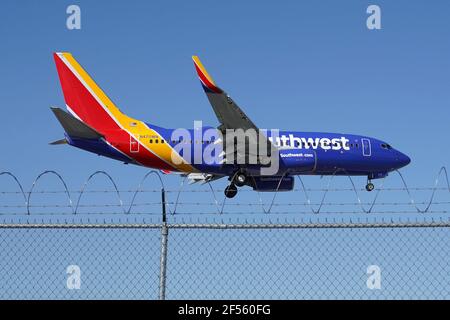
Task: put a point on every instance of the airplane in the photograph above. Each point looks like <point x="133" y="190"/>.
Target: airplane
<point x="95" y="124"/>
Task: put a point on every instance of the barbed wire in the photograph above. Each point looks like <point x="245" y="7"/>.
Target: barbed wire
<point x="242" y="204"/>
<point x="314" y="207"/>
<point x="217" y="190"/>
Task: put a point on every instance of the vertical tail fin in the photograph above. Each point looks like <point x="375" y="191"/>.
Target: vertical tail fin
<point x="84" y="98"/>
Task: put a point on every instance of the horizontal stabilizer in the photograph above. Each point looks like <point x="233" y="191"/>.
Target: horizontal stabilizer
<point x="74" y="127"/>
<point x="57" y="142"/>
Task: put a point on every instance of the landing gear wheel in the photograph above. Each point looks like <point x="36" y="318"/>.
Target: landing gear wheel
<point x="231" y="191"/>
<point x="240" y="179"/>
<point x="370" y="186"/>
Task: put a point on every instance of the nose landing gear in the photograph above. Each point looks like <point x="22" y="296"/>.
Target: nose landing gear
<point x="369" y="186"/>
<point x="240" y="179"/>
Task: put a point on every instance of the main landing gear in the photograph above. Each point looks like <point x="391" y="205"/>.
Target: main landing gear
<point x="239" y="180"/>
<point x="231" y="191"/>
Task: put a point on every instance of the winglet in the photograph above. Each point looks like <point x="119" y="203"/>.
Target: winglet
<point x="206" y="80"/>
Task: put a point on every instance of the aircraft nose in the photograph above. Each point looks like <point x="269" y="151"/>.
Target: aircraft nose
<point x="402" y="159"/>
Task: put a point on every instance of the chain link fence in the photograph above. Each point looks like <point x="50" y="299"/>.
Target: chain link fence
<point x="225" y="261"/>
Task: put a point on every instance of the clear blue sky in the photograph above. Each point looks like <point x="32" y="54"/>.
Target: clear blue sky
<point x="300" y="65"/>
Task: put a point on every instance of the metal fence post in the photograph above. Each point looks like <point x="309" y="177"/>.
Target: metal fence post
<point x="163" y="258"/>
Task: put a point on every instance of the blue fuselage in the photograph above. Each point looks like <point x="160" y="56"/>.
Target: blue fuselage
<point x="305" y="153"/>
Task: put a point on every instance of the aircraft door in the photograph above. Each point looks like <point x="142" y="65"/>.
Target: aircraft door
<point x="366" y="147"/>
<point x="134" y="145"/>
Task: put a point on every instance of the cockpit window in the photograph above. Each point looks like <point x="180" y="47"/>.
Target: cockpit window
<point x="386" y="146"/>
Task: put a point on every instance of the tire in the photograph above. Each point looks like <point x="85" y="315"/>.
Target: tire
<point x="231" y="191"/>
<point x="240" y="179"/>
<point x="370" y="186"/>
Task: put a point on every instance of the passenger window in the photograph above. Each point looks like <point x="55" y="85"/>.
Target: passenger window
<point x="151" y="141"/>
<point x="156" y="141"/>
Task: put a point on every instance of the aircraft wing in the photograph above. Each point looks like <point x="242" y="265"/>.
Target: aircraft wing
<point x="229" y="114"/>
<point x="227" y="111"/>
<point x="201" y="178"/>
<point x="196" y="177"/>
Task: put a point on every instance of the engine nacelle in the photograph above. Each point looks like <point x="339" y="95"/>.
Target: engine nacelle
<point x="271" y="183"/>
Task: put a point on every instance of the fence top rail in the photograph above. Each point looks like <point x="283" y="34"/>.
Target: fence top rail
<point x="223" y="225"/>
